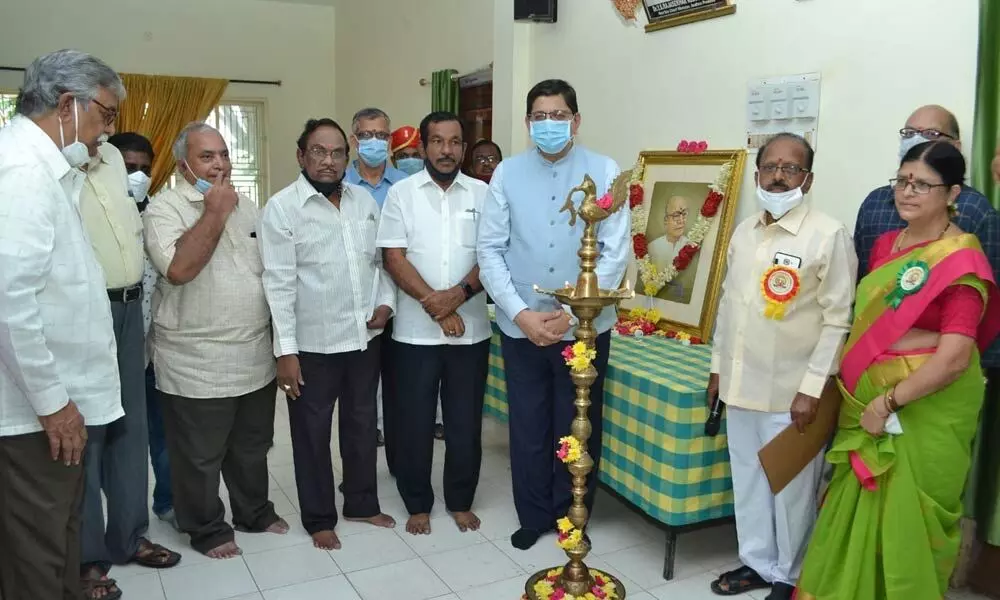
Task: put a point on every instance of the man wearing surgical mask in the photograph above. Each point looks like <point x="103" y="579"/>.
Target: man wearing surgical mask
<point x="525" y="239"/>
<point x="138" y="154"/>
<point x="784" y="313"/>
<point x="370" y="136"/>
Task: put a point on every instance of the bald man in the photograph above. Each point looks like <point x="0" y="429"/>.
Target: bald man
<point x="663" y="249"/>
<point x="975" y="213"/>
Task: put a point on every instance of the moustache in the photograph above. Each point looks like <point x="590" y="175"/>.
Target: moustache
<point x="444" y="160"/>
<point x="778" y="187"/>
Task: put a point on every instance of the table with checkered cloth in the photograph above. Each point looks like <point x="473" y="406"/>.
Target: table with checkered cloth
<point x="656" y="454"/>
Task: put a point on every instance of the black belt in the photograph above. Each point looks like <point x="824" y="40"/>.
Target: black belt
<point x="127" y="294"/>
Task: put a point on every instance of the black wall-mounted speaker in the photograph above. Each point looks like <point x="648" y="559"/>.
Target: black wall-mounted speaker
<point x="540" y="11"/>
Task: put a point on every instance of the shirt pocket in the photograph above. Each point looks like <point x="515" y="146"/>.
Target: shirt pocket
<point x="466" y="229"/>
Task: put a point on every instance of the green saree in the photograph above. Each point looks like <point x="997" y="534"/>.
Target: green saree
<point x="888" y="527"/>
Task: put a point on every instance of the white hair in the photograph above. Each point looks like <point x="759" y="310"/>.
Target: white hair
<point x="66" y="71"/>
<point x="368" y="114"/>
<point x="181" y="145"/>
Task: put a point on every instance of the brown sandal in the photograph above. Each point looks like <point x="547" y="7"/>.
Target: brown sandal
<point x="97" y="579"/>
<point x="154" y="556"/>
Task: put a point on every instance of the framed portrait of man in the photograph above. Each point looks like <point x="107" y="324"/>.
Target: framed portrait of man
<point x="680" y="234"/>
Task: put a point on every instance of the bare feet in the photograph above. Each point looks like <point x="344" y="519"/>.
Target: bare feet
<point x="466" y="521"/>
<point x="379" y="520"/>
<point x="279" y="527"/>
<point x="419" y="524"/>
<point x="326" y="540"/>
<point x="227" y="550"/>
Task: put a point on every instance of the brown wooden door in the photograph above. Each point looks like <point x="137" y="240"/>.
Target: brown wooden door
<point x="476" y="111"/>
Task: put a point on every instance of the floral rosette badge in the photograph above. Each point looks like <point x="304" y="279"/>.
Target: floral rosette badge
<point x="910" y="280"/>
<point x="779" y="286"/>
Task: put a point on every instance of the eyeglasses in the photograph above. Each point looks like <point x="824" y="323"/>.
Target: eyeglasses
<point x="487" y="160"/>
<point x="919" y="187"/>
<point x="679" y="215"/>
<point x="931" y="134"/>
<point x="109" y="114"/>
<point x="555" y="115"/>
<point x="367" y="135"/>
<point x="789" y="170"/>
<point x="320" y="153"/>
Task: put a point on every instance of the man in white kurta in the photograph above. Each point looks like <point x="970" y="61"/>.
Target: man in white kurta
<point x="442" y="330"/>
<point x="772" y="356"/>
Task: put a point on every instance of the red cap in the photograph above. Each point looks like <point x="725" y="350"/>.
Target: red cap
<point x="405" y="137"/>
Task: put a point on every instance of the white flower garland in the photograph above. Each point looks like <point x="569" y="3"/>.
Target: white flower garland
<point x="653" y="277"/>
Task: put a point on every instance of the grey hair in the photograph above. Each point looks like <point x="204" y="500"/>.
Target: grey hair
<point x="65" y="71"/>
<point x="367" y="114"/>
<point x="181" y="145"/>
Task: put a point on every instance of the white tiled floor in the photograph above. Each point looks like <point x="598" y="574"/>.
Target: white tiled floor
<point x="380" y="564"/>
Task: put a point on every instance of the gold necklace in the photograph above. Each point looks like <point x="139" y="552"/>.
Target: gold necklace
<point x="899" y="239"/>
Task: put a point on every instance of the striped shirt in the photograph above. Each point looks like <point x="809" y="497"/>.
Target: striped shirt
<point x="322" y="274"/>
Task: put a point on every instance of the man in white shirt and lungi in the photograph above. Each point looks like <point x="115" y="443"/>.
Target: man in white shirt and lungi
<point x="784" y="314"/>
<point x="58" y="370"/>
<point x="330" y="301"/>
<point x="442" y="330"/>
<point x="212" y="347"/>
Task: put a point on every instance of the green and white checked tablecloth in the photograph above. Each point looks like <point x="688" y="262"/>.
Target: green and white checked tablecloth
<point x="656" y="454"/>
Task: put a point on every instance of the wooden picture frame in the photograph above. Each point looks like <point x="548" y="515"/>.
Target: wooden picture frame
<point x="677" y="193"/>
<point x="662" y="14"/>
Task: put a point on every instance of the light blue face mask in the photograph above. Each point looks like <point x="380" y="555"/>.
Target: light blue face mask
<point x="199" y="184"/>
<point x="550" y="136"/>
<point x="410" y="165"/>
<point x="907" y="144"/>
<point x="373" y="152"/>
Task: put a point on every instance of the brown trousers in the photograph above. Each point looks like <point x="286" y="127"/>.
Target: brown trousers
<point x="39" y="522"/>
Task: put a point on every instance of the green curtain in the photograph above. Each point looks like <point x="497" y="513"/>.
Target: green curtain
<point x="987" y="128"/>
<point x="444" y="91"/>
<point x="983" y="494"/>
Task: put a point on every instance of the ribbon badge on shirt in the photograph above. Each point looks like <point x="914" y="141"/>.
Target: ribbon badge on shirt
<point x="779" y="285"/>
<point x="910" y="279"/>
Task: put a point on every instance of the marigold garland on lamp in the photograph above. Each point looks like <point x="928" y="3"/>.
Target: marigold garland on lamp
<point x="575" y="581"/>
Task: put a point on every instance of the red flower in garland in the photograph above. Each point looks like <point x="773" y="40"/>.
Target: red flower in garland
<point x="701" y="147"/>
<point x="684" y="257"/>
<point x="711" y="205"/>
<point x="635" y="194"/>
<point x="683" y="146"/>
<point x="640" y="245"/>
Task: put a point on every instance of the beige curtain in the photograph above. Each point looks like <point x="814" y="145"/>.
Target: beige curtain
<point x="158" y="107"/>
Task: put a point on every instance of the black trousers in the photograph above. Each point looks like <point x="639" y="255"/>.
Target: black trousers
<point x="460" y="373"/>
<point x="540" y="397"/>
<point x="351" y="377"/>
<point x="39" y="521"/>
<point x="390" y="395"/>
<point x="209" y="436"/>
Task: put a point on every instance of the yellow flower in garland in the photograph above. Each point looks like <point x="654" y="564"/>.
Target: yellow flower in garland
<point x="578" y="356"/>
<point x="569" y="541"/>
<point x="564" y="525"/>
<point x="569" y="450"/>
<point x="650" y="289"/>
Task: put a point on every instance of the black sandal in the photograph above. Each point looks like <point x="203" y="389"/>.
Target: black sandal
<point x="155" y="556"/>
<point x="737" y="582"/>
<point x="96" y="578"/>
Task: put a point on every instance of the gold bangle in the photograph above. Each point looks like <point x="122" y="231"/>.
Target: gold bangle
<point x="891" y="401"/>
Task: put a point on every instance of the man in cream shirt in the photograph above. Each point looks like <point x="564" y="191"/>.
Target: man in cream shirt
<point x="442" y="332"/>
<point x="772" y="357"/>
<point x="212" y="346"/>
<point x="57" y="343"/>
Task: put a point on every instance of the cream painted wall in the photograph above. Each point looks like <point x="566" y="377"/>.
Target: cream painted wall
<point x="241" y="39"/>
<point x="639" y="90"/>
<point x="384" y="47"/>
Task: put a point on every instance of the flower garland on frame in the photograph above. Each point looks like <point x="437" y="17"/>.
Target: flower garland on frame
<point x="653" y="276"/>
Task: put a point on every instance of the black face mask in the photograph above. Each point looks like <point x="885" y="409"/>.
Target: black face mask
<point x="439" y="176"/>
<point x="327" y="188"/>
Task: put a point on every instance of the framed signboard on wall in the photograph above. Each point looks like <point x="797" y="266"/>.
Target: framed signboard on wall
<point x="662" y="14"/>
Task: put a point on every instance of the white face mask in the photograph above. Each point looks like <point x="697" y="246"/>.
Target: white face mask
<point x="138" y="185"/>
<point x="906" y="144"/>
<point x="76" y="154"/>
<point x="779" y="203"/>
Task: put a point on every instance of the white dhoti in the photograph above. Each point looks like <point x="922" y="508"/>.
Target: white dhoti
<point x="773" y="531"/>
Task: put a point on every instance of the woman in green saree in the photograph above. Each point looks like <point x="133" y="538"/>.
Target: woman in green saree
<point x="913" y="389"/>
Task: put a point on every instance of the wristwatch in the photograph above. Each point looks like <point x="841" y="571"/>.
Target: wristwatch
<point x="469" y="292"/>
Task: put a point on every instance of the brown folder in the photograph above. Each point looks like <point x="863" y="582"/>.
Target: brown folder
<point x="784" y="457"/>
